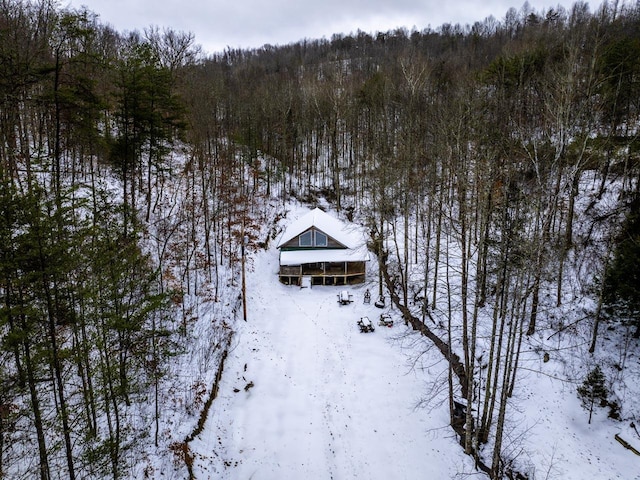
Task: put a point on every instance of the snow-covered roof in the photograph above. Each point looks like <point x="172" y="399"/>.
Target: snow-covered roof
<point x="299" y="257"/>
<point x="348" y="235"/>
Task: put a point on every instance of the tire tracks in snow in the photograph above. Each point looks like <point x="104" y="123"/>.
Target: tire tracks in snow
<point x="332" y="350"/>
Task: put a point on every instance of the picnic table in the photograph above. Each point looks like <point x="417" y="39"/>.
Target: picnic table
<point x="344" y="297"/>
<point x="365" y="325"/>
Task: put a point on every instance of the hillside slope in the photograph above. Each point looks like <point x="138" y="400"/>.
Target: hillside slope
<point x="327" y="401"/>
<point x="305" y="394"/>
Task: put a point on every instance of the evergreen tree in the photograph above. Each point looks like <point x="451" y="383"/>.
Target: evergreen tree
<point x="592" y="389"/>
<point x="622" y="282"/>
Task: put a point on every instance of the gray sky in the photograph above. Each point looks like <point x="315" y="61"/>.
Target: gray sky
<point x="218" y="24"/>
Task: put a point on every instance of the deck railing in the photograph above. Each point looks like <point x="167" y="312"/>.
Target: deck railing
<point x="332" y="272"/>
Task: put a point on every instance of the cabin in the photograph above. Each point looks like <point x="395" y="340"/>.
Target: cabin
<point x="318" y="249"/>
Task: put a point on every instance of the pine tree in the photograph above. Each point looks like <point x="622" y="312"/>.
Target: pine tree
<point x="622" y="281"/>
<point x="593" y="388"/>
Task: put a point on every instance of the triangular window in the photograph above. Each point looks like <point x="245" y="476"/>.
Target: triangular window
<point x="313" y="238"/>
<point x="321" y="239"/>
<point x="306" y="239"/>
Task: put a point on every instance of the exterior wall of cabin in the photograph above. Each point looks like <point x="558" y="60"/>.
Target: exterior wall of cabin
<point x="320" y="273"/>
<point x="324" y="273"/>
<point x="294" y="243"/>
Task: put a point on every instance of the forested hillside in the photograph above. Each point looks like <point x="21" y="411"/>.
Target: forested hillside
<point x="496" y="167"/>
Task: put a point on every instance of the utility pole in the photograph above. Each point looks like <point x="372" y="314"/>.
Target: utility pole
<point x="245" y="240"/>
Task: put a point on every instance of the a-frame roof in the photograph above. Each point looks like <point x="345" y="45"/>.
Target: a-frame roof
<point x="343" y="233"/>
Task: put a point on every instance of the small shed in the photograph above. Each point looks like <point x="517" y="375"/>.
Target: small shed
<point x="323" y="249"/>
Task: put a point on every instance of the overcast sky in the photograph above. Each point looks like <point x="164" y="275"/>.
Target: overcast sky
<point x="218" y="24"/>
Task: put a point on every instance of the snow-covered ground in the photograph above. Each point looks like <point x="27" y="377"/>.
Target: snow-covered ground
<point x="549" y="426"/>
<point x="306" y="395"/>
<point x="327" y="401"/>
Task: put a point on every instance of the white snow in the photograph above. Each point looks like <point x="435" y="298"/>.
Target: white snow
<point x="305" y="395"/>
<point x="327" y="401"/>
<point x="297" y="257"/>
<point x="348" y="235"/>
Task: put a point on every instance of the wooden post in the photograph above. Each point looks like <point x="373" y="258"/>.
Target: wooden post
<point x="245" y="240"/>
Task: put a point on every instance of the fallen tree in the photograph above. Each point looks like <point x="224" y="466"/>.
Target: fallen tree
<point x="458" y="418"/>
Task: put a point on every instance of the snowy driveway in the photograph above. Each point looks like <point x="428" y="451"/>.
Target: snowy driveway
<point x="305" y="395"/>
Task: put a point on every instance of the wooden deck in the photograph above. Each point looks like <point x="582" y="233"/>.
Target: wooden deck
<point x="324" y="274"/>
